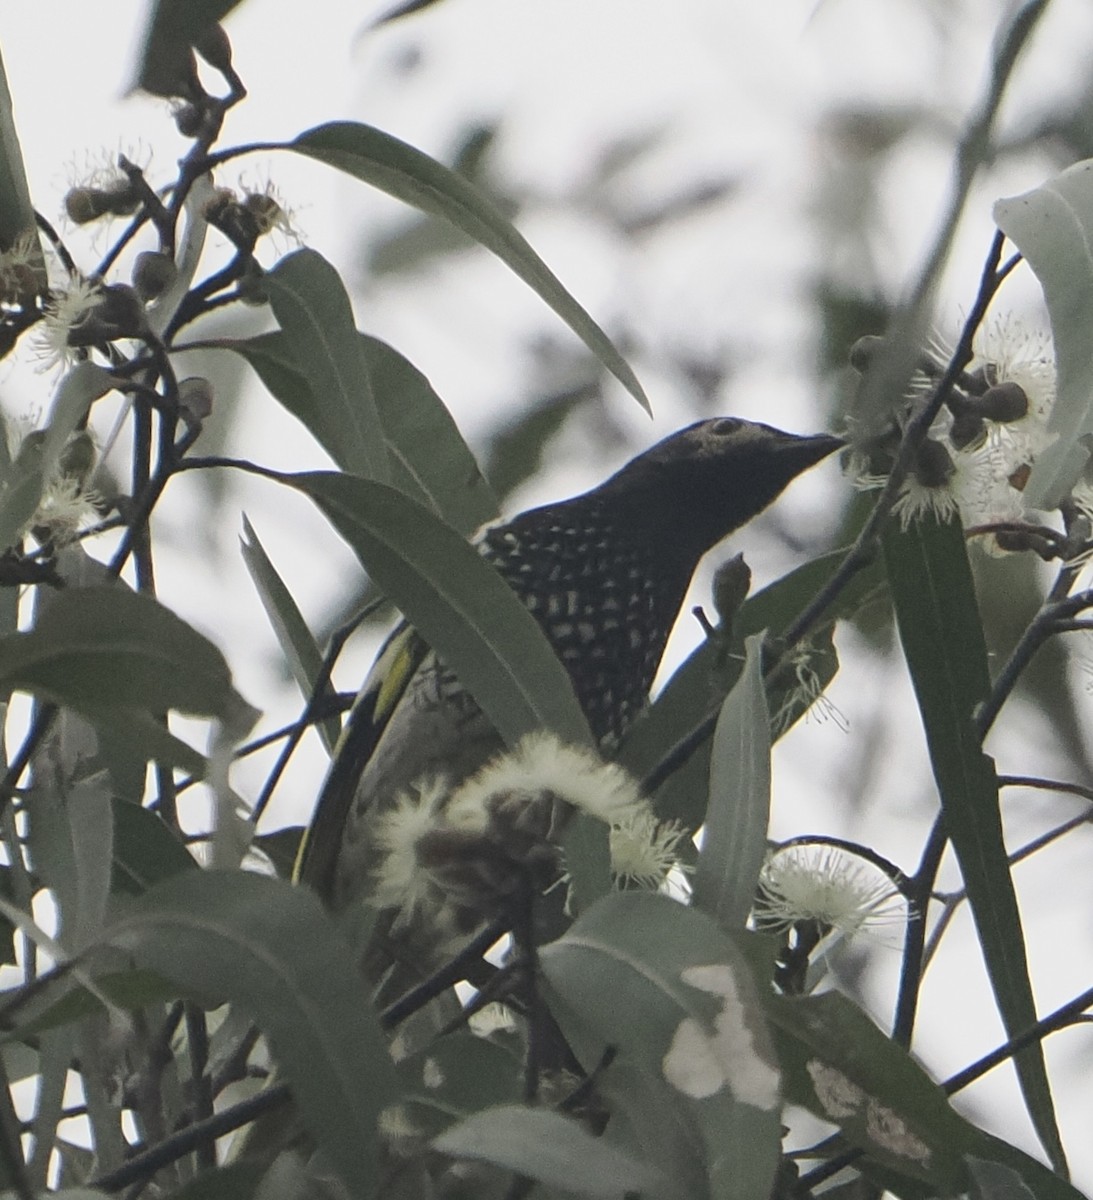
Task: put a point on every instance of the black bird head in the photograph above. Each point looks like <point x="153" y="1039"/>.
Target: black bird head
<point x="605" y="572"/>
<point x="696" y="486"/>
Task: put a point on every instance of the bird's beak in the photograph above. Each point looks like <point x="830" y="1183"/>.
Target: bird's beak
<point x="807" y="451"/>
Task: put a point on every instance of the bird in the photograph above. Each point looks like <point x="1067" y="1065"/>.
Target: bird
<point x="604" y="574"/>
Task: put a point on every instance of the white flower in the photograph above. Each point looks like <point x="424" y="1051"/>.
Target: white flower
<point x="841" y="893"/>
<point x="808" y="695"/>
<point x="66" y="311"/>
<point x="644" y="851"/>
<point x="64" y="508"/>
<point x="400" y="882"/>
<point x="542" y="765"/>
<point x="448" y="853"/>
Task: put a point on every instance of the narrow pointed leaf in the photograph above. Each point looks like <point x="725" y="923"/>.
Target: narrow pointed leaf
<point x="840" y="1066"/>
<point x="271" y="949"/>
<point x="942" y="637"/>
<point x="107" y="648"/>
<point x="428" y="457"/>
<point x="735" y="840"/>
<point x="313" y="309"/>
<point x="16" y="209"/>
<point x="1052" y="226"/>
<point x="456" y="601"/>
<point x="297" y="644"/>
<point x="684" y="1007"/>
<point x="401" y="171"/>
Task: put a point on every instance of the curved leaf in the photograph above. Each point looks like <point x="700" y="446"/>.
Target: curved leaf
<point x="685" y="1009"/>
<point x="428" y="457"/>
<point x="271" y="949"/>
<point x="313" y="309"/>
<point x="735" y="840"/>
<point x="839" y="1065"/>
<point x="456" y="601"/>
<point x="942" y="636"/>
<point x="105" y="648"/>
<point x="401" y="171"/>
<point x="549" y="1148"/>
<point x="294" y="637"/>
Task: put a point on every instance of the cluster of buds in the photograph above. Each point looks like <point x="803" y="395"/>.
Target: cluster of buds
<point x="981" y="449"/>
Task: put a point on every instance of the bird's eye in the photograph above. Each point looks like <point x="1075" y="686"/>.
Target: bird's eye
<point x="725" y="426"/>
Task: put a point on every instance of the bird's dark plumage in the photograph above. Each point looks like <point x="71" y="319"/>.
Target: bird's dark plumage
<point x="604" y="574"/>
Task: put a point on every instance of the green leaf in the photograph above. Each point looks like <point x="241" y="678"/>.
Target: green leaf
<point x="25" y="479"/>
<point x="428" y="458"/>
<point x="551" y="1149"/>
<point x="172" y="29"/>
<point x="942" y="637"/>
<point x="71" y="837"/>
<point x="16" y="209"/>
<point x="297" y="644"/>
<point x="458" y="1075"/>
<point x="313" y="309"/>
<point x="145" y="851"/>
<point x="457" y="602"/>
<point x="684" y="1007"/>
<point x="271" y="949"/>
<point x="992" y="1181"/>
<point x="841" y="1067"/>
<point x="735" y="841"/>
<point x="1052" y="226"/>
<point x="104" y="648"/>
<point x="401" y="171"/>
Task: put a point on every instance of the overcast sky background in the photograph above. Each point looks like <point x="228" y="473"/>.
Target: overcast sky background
<point x="751" y="98"/>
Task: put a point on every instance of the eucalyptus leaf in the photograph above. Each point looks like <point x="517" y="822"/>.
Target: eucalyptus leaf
<point x="271" y="949"/>
<point x="941" y="632"/>
<point x="401" y="171"/>
<point x="456" y="601"/>
<point x="840" y="1066"/>
<point x="105" y="648"/>
<point x="296" y="641"/>
<point x="683" y="1005"/>
<point x="551" y="1149"/>
<point x="16" y="209"/>
<point x="735" y="839"/>
<point x="428" y="457"/>
<point x="314" y="311"/>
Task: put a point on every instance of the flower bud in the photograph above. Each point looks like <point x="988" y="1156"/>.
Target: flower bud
<point x="188" y="119"/>
<point x="864" y="351"/>
<point x="86" y="204"/>
<point x="731" y="583"/>
<point x="967" y="429"/>
<point x="1004" y="402"/>
<point x="78" y="457"/>
<point x="195" y="399"/>
<point x="153" y="274"/>
<point x="933" y="466"/>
